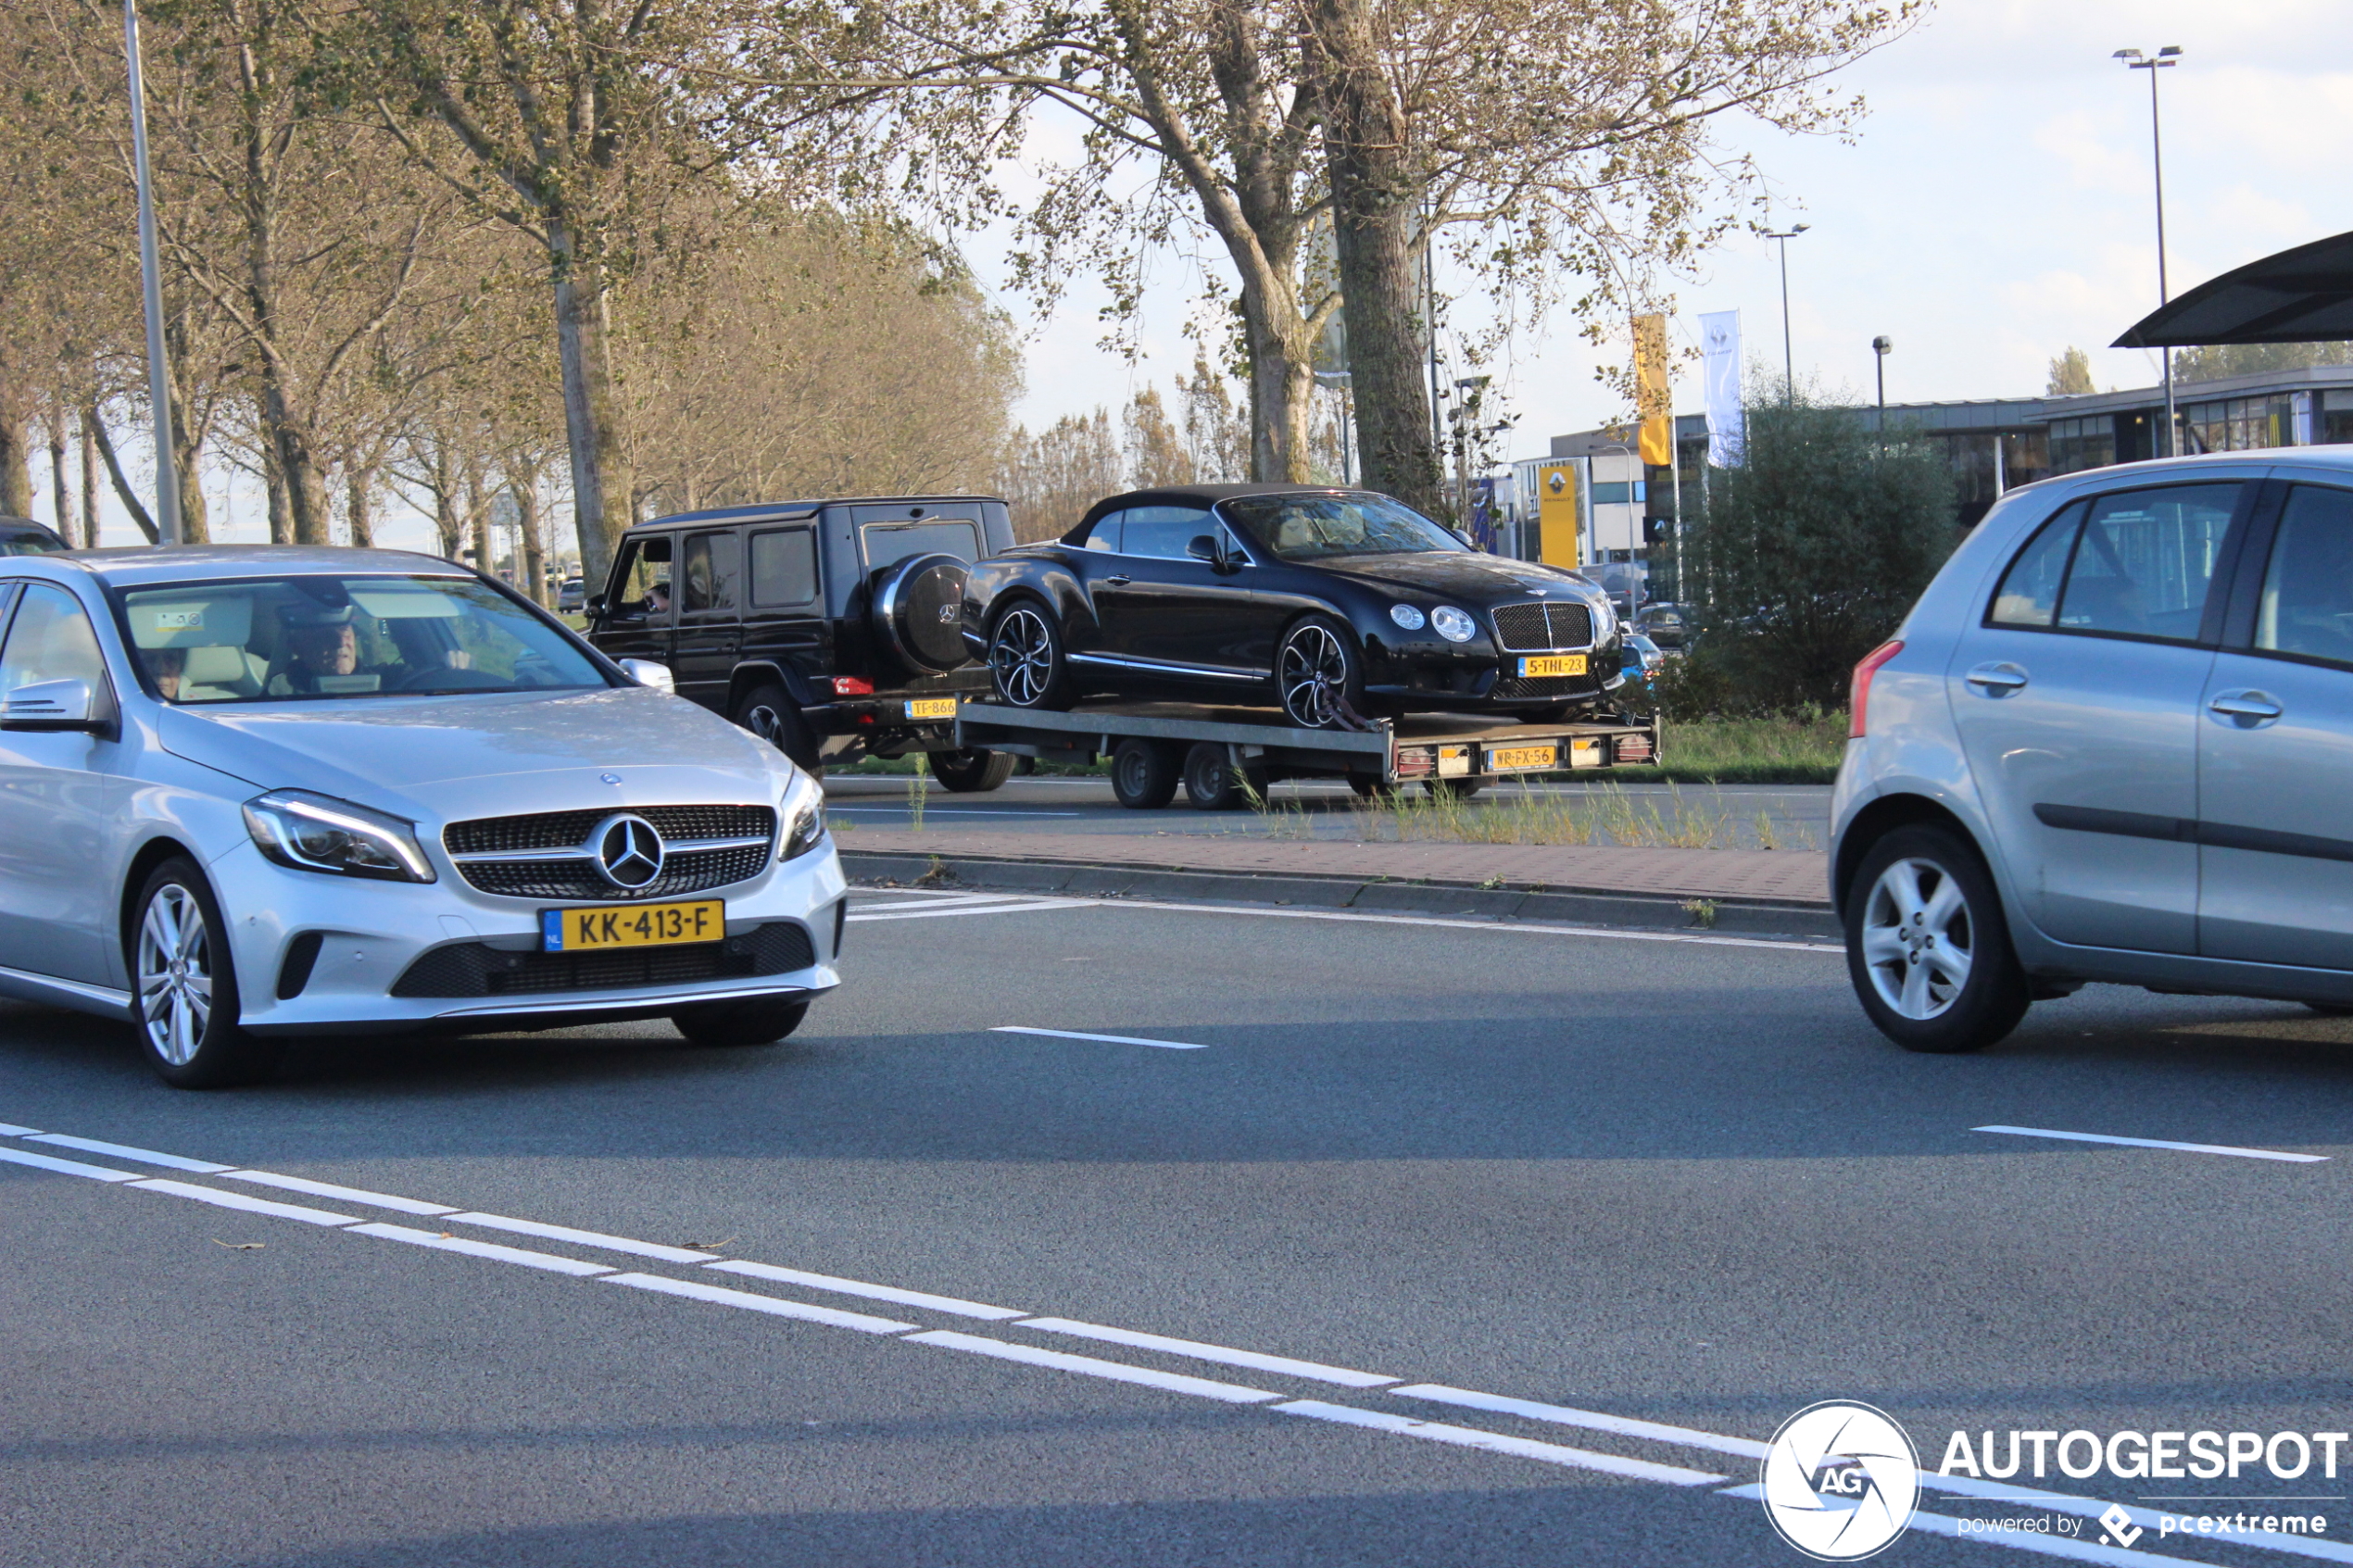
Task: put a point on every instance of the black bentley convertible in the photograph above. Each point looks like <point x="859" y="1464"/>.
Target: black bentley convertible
<point x="1336" y="604"/>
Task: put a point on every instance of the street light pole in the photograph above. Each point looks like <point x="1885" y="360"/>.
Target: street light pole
<point x="2165" y="59"/>
<point x="1789" y="360"/>
<point x="151" y="283"/>
<point x="1881" y="346"/>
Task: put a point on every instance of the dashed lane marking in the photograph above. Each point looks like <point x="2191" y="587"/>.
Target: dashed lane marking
<point x="2160" y="1143"/>
<point x="1106" y="1039"/>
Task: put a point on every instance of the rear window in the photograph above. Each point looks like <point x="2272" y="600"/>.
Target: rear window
<point x="885" y="543"/>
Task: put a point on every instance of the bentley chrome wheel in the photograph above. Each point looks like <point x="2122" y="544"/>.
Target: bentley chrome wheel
<point x="1918" y="938"/>
<point x="175" y="974"/>
<point x="1020" y="657"/>
<point x="1312" y="674"/>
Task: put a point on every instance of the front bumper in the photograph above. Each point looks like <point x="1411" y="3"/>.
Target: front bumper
<point x="370" y="933"/>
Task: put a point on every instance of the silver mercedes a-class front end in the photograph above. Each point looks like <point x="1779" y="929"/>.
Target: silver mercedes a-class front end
<point x="254" y="793"/>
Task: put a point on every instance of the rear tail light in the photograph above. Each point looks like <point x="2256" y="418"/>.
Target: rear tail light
<point x="1859" y="695"/>
<point x="852" y="686"/>
<point x="1633" y="748"/>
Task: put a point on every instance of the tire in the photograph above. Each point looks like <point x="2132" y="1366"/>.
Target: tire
<point x="763" y="1021"/>
<point x="1950" y="981"/>
<point x="186" y="985"/>
<point x="971" y="772"/>
<point x="772" y="715"/>
<point x="1452" y="789"/>
<point x="1144" y="773"/>
<point x="1211" y="784"/>
<point x="1025" y="658"/>
<point x="1319" y="676"/>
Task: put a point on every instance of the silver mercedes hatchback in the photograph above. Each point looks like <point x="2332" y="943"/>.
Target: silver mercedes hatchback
<point x="2112" y="742"/>
<point x="254" y="793"/>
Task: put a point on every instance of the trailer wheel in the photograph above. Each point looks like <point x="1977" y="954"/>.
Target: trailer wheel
<point x="970" y="771"/>
<point x="1212" y="782"/>
<point x="1144" y="773"/>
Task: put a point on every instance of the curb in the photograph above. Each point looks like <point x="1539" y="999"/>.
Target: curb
<point x="1744" y="917"/>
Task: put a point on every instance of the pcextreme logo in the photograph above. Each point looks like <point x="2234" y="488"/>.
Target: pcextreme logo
<point x="1840" y="1481"/>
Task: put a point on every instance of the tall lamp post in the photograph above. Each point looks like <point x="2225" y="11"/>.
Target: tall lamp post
<point x="2164" y="60"/>
<point x="1789" y="360"/>
<point x="151" y="284"/>
<point x="1881" y="346"/>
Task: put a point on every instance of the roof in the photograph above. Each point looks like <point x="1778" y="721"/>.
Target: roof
<point x="1205" y="496"/>
<point x="180" y="563"/>
<point x="783" y="509"/>
<point x="2299" y="296"/>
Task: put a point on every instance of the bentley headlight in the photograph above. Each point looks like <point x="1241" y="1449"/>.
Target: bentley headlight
<point x="318" y="832"/>
<point x="1407" y="617"/>
<point x="803" y="813"/>
<point x="1455" y="625"/>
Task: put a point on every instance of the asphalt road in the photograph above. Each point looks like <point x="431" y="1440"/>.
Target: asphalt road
<point x="1432" y="1168"/>
<point x="1720" y="816"/>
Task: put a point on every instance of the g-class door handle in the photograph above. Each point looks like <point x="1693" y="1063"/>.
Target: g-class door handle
<point x="1995" y="680"/>
<point x="2253" y="707"/>
<point x="1117" y="582"/>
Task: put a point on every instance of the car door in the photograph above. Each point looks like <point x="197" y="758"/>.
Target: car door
<point x="785" y="622"/>
<point x="1164" y="607"/>
<point x="639" y="617"/>
<point x="2076" y="697"/>
<point x="57" y="790"/>
<point x="2275" y="747"/>
<point x="710" y="606"/>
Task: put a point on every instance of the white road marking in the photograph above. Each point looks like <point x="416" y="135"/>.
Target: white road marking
<point x="1316" y="1370"/>
<point x="773" y="1305"/>
<point x="1563" y="1415"/>
<point x="329" y="1189"/>
<point x="2160" y="1143"/>
<point x="1495" y="1442"/>
<point x="1031" y="908"/>
<point x="949" y="1304"/>
<point x="141" y="1156"/>
<point x="1107" y="1039"/>
<point x="473" y="1248"/>
<point x="1118" y="1372"/>
<point x="946" y="900"/>
<point x="945" y="812"/>
<point x="250" y="1205"/>
<point x="66" y="1167"/>
<point x="9" y="1131"/>
<point x="580" y="1238"/>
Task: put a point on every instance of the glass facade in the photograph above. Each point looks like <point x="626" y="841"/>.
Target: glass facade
<point x="2336" y="415"/>
<point x="2239" y="425"/>
<point x="2076" y="445"/>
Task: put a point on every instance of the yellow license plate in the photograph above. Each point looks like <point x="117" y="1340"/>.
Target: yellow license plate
<point x="632" y="925"/>
<point x="1554" y="664"/>
<point x="932" y="708"/>
<point x="1516" y="759"/>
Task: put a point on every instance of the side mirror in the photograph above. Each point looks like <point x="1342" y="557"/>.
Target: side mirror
<point x="1465" y="536"/>
<point x="646" y="673"/>
<point x="52" y="705"/>
<point x="1204" y="547"/>
<point x="596" y="604"/>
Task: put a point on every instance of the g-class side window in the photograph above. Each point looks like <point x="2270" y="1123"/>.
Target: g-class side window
<point x="784" y="567"/>
<point x="713" y="565"/>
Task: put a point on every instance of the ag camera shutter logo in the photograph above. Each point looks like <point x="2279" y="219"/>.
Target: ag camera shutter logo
<point x="1840" y="1481"/>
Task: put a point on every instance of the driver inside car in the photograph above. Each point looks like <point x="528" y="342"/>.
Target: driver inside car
<point x="323" y="655"/>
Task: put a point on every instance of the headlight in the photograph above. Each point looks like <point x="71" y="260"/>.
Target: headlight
<point x="318" y="832"/>
<point x="1455" y="625"/>
<point x="1407" y="617"/>
<point x="1604" y="621"/>
<point x="803" y="810"/>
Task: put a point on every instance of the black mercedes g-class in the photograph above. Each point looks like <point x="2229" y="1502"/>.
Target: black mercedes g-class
<point x="830" y="629"/>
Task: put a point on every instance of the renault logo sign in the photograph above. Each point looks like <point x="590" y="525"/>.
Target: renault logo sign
<point x="628" y="850"/>
<point x="1840" y="1481"/>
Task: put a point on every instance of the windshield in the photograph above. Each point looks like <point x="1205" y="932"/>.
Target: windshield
<point x="312" y="638"/>
<point x="26" y="541"/>
<point x="1320" y="527"/>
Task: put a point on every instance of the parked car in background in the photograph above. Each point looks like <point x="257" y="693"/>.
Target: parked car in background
<point x="1663" y="623"/>
<point x="1326" y="603"/>
<point x="1640" y="657"/>
<point x="254" y="793"/>
<point x="572" y="597"/>
<point x="2109" y="743"/>
<point x="22" y="536"/>
<point x="830" y="629"/>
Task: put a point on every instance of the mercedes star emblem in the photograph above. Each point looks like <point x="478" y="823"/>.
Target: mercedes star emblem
<point x="628" y="850"/>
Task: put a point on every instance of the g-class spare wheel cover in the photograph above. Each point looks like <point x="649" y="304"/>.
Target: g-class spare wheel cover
<point x="918" y="612"/>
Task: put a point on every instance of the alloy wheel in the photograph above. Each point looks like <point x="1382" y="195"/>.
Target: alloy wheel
<point x="1312" y="672"/>
<point x="767" y="723"/>
<point x="1021" y="657"/>
<point x="1919" y="940"/>
<point x="175" y="974"/>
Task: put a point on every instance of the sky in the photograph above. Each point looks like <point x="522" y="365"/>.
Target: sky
<point x="1993" y="208"/>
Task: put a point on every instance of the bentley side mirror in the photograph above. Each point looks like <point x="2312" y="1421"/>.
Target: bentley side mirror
<point x="646" y="673"/>
<point x="596" y="604"/>
<point x="1204" y="547"/>
<point x="52" y="705"/>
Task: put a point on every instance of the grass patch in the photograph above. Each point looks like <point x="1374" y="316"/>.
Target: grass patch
<point x="1797" y="750"/>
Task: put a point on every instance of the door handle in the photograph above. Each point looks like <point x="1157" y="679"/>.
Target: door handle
<point x="2254" y="708"/>
<point x="1995" y="680"/>
<point x="1117" y="582"/>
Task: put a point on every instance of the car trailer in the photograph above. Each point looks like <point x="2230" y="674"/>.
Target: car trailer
<point x="1223" y="754"/>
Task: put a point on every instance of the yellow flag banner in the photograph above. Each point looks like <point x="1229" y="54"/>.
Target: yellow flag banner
<point x="1650" y="399"/>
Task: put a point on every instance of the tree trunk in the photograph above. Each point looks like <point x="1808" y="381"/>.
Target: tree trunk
<point x="478" y="512"/>
<point x="363" y="529"/>
<point x="274" y="481"/>
<point x="601" y="487"/>
<point x="94" y="429"/>
<point x="187" y="439"/>
<point x="58" y="488"/>
<point x="534" y="558"/>
<point x="16" y="464"/>
<point x="89" y="482"/>
<point x="1375" y="198"/>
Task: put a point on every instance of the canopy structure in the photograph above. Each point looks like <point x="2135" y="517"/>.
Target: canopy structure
<point x="2300" y="296"/>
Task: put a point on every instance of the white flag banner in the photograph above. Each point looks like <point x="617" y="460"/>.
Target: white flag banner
<point x="1719" y="340"/>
